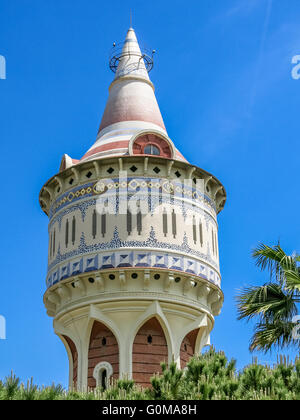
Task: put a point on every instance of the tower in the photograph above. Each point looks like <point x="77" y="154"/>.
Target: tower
<point x="133" y="262"/>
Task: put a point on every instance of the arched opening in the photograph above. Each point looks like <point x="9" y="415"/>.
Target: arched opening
<point x="149" y="350"/>
<point x="102" y="373"/>
<point x="104" y="379"/>
<point x="151" y="149"/>
<point x="187" y="348"/>
<point x="74" y="354"/>
<point x="103" y="356"/>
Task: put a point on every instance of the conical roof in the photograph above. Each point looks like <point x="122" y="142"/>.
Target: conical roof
<point x="131" y="106"/>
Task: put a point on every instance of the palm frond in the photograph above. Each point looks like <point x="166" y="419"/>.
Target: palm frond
<point x="268" y="335"/>
<point x="269" y="302"/>
<point x="292" y="278"/>
<point x="274" y="259"/>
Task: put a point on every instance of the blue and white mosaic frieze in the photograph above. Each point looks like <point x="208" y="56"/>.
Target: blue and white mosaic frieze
<point x="130" y="259"/>
<point x="154" y="190"/>
<point x="178" y="203"/>
<point x="117" y="243"/>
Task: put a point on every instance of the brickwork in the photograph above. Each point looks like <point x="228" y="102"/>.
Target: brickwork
<point x="74" y="353"/>
<point x="146" y="356"/>
<point x="187" y="348"/>
<point x="103" y="347"/>
<point x="142" y="141"/>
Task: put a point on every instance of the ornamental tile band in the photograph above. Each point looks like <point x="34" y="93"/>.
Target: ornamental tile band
<point x="112" y="186"/>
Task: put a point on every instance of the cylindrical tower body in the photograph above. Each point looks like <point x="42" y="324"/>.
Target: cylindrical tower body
<point x="133" y="262"/>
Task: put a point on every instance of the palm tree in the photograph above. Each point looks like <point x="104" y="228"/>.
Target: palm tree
<point x="275" y="303"/>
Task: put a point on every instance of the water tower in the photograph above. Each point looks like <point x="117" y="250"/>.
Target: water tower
<point x="133" y="260"/>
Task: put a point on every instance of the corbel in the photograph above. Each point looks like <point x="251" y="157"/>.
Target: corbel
<point x="120" y="160"/>
<point x="49" y="191"/>
<point x="169" y="166"/>
<point x="146" y="279"/>
<point x="203" y="291"/>
<point x="97" y="168"/>
<point x="213" y="297"/>
<point x="54" y="297"/>
<point x="190" y="172"/>
<point x="206" y="181"/>
<point x="217" y="190"/>
<point x="122" y="279"/>
<point x="216" y="307"/>
<point x="99" y="282"/>
<point x="64" y="291"/>
<point x="188" y="285"/>
<point x="79" y="284"/>
<point x="75" y="172"/>
<point x="146" y="160"/>
<point x="168" y="281"/>
<point x="59" y="181"/>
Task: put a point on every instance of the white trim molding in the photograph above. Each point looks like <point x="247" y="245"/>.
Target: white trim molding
<point x="99" y="368"/>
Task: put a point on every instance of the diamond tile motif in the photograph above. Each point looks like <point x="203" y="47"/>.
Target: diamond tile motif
<point x="176" y="263"/>
<point x="64" y="272"/>
<point x="76" y="267"/>
<point x="91" y="263"/>
<point x="108" y="261"/>
<point x="190" y="266"/>
<point x="142" y="260"/>
<point x="55" y="277"/>
<point x="133" y="168"/>
<point x="124" y="260"/>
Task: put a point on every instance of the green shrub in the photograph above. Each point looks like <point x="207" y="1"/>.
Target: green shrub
<point x="210" y="376"/>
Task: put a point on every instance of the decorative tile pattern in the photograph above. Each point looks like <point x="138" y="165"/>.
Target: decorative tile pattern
<point x="133" y="259"/>
<point x="117" y="243"/>
<point x="94" y="257"/>
<point x="117" y="253"/>
<point x="160" y="187"/>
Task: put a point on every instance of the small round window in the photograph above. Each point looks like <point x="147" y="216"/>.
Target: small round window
<point x="150" y="149"/>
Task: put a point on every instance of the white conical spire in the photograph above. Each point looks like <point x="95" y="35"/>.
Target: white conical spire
<point x="131" y="60"/>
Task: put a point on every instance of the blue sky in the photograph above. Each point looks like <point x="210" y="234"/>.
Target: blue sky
<point x="223" y="82"/>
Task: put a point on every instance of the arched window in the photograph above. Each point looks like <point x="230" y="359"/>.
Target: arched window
<point x="50" y="244"/>
<point x="213" y="241"/>
<point x="67" y="233"/>
<point x="104" y="379"/>
<point x="53" y="251"/>
<point x="194" y="230"/>
<point x="174" y="227"/>
<point x="94" y="224"/>
<point x="147" y="361"/>
<point x="102" y="373"/>
<point x="103" y="354"/>
<point x="150" y="149"/>
<point x="73" y="230"/>
<point x="201" y="233"/>
<point x="103" y="224"/>
<point x="165" y="222"/>
<point x="129" y="222"/>
<point x="139" y="222"/>
<point x="216" y="244"/>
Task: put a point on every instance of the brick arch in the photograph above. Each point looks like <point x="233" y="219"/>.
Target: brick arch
<point x="187" y="348"/>
<point x="146" y="139"/>
<point x="99" y="352"/>
<point x="146" y="357"/>
<point x="74" y="354"/>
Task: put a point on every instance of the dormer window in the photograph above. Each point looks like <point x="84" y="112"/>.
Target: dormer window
<point x="152" y="144"/>
<point x="150" y="149"/>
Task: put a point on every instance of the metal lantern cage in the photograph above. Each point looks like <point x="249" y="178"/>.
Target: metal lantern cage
<point x="117" y="55"/>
